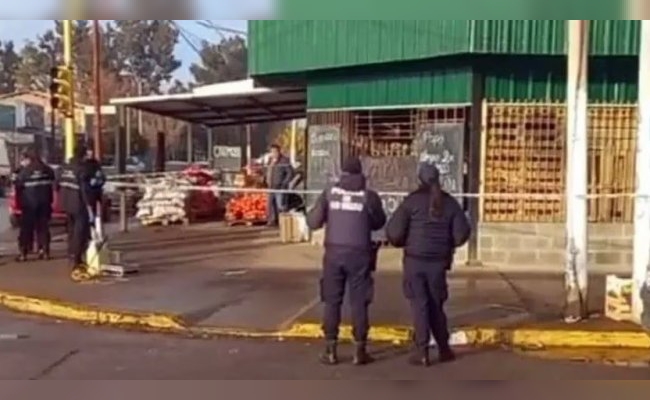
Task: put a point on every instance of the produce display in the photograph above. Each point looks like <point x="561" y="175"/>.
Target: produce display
<point x="249" y="207"/>
<point x="167" y="200"/>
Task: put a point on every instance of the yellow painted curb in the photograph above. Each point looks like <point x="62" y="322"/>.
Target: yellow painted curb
<point x="89" y="315"/>
<point x="487" y="337"/>
<point x="478" y="337"/>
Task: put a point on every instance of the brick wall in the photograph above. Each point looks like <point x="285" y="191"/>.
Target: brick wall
<point x="543" y="244"/>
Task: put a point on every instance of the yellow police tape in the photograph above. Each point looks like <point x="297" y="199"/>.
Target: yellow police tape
<point x="477" y="337"/>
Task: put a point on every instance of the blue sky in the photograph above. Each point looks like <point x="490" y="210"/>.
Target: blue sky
<point x="21" y="30"/>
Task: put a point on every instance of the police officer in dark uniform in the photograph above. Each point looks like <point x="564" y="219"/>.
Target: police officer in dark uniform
<point x="350" y="212"/>
<point x="34" y="188"/>
<point x="73" y="183"/>
<point x="429" y="225"/>
<point x="97" y="180"/>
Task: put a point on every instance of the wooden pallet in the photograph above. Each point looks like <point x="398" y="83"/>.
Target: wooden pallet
<point x="184" y="221"/>
<point x="245" y="222"/>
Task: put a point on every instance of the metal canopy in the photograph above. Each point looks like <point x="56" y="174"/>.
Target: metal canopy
<point x="230" y="103"/>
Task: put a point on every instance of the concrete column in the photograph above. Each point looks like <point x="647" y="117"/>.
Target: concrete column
<point x="576" y="171"/>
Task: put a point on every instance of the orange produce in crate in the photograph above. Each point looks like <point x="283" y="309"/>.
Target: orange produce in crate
<point x="250" y="207"/>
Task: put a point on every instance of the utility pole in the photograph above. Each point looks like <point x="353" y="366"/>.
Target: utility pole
<point x="576" y="172"/>
<point x="641" y="259"/>
<point x="98" y="89"/>
<point x="69" y="118"/>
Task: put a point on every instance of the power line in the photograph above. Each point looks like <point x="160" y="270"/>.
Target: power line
<point x="185" y="36"/>
<point x="220" y="28"/>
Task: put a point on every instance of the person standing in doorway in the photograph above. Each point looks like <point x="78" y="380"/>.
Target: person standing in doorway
<point x="429" y="225"/>
<point x="34" y="188"/>
<point x="278" y="177"/>
<point x="350" y="213"/>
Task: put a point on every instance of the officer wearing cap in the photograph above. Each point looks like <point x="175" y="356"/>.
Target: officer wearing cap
<point x="350" y="212"/>
<point x="429" y="225"/>
<point x="34" y="190"/>
<point x="73" y="184"/>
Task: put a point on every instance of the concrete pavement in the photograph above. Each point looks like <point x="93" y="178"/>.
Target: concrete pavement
<point x="208" y="280"/>
<point x="57" y="351"/>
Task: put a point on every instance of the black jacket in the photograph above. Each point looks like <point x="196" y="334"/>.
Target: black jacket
<point x="280" y="174"/>
<point x="72" y="183"/>
<point x="34" y="186"/>
<point x="348" y="231"/>
<point x="96" y="181"/>
<point x="423" y="236"/>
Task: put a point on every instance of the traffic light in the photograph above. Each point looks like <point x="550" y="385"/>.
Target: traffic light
<point x="61" y="91"/>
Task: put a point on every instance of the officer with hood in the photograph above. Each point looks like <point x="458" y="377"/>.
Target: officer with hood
<point x="34" y="190"/>
<point x="429" y="225"/>
<point x="73" y="184"/>
<point x="350" y="212"/>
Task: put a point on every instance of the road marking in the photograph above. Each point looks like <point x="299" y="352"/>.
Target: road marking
<point x="287" y="323"/>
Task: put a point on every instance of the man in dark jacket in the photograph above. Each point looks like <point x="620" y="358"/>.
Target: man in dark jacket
<point x="73" y="183"/>
<point x="279" y="176"/>
<point x="96" y="182"/>
<point x="350" y="212"/>
<point x="429" y="225"/>
<point x="34" y="188"/>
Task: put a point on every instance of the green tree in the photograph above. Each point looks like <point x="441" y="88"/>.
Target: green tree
<point x="9" y="62"/>
<point x="221" y="62"/>
<point x="146" y="49"/>
<point x="38" y="57"/>
<point x="32" y="72"/>
<point x="178" y="87"/>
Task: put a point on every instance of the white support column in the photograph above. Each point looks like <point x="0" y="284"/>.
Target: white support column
<point x="642" y="199"/>
<point x="576" y="178"/>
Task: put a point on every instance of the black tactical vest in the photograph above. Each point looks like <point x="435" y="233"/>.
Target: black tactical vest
<point x="348" y="222"/>
<point x="70" y="192"/>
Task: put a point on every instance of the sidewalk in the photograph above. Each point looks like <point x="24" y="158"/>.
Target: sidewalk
<point x="204" y="280"/>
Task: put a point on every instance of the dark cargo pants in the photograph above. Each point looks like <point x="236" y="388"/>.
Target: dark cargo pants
<point x="425" y="287"/>
<point x="353" y="269"/>
<point x="78" y="229"/>
<point x="34" y="221"/>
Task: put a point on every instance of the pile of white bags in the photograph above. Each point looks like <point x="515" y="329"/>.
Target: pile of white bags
<point x="164" y="201"/>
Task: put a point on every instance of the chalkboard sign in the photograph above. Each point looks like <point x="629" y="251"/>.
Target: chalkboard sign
<point x="442" y="144"/>
<point x="324" y="156"/>
<point x="227" y="157"/>
<point x="390" y="174"/>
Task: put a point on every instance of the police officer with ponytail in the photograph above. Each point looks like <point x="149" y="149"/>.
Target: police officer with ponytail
<point x="429" y="225"/>
<point x="350" y="212"/>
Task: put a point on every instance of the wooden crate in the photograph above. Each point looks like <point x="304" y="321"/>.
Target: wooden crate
<point x="293" y="228"/>
<point x="618" y="298"/>
<point x="523" y="152"/>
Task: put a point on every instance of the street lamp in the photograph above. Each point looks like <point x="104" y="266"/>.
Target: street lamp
<point x="139" y="84"/>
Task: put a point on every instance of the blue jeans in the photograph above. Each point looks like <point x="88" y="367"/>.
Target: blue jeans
<point x="276" y="205"/>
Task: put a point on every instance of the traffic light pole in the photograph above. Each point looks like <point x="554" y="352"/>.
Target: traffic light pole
<point x="69" y="119"/>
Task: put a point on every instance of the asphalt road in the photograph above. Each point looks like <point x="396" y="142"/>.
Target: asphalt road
<point x="52" y="351"/>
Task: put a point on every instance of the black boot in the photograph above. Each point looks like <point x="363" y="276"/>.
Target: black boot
<point x="420" y="358"/>
<point x="43" y="254"/>
<point x="329" y="357"/>
<point x="446" y="354"/>
<point x="361" y="356"/>
<point x="22" y="257"/>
